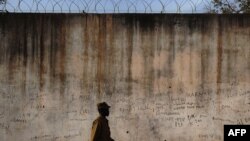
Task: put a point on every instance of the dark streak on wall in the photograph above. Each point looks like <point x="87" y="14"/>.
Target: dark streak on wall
<point x="219" y="61"/>
<point x="130" y="36"/>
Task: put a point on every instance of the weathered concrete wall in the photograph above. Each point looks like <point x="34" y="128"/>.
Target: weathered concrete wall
<point x="167" y="77"/>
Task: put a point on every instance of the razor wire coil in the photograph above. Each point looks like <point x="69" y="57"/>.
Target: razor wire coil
<point x="104" y="6"/>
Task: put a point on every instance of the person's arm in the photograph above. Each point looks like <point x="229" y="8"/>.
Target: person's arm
<point x="96" y="131"/>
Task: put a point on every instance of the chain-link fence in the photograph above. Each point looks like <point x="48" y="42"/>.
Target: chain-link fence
<point x="105" y="6"/>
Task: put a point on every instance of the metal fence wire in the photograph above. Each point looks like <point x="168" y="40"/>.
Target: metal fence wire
<point x="105" y="6"/>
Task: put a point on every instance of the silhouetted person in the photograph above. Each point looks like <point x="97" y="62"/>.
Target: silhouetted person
<point x="100" y="128"/>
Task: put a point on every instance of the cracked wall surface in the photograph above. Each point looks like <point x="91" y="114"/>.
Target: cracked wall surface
<point x="167" y="77"/>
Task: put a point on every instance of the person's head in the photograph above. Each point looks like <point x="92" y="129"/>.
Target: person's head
<point x="103" y="109"/>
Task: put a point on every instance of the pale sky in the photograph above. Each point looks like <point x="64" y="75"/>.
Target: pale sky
<point x="107" y="6"/>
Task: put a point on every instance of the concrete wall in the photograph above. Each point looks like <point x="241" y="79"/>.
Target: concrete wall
<point x="167" y="77"/>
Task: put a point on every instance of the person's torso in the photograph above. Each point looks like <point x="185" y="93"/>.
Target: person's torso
<point x="105" y="130"/>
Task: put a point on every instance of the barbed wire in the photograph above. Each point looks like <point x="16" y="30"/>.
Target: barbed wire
<point x="105" y="6"/>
